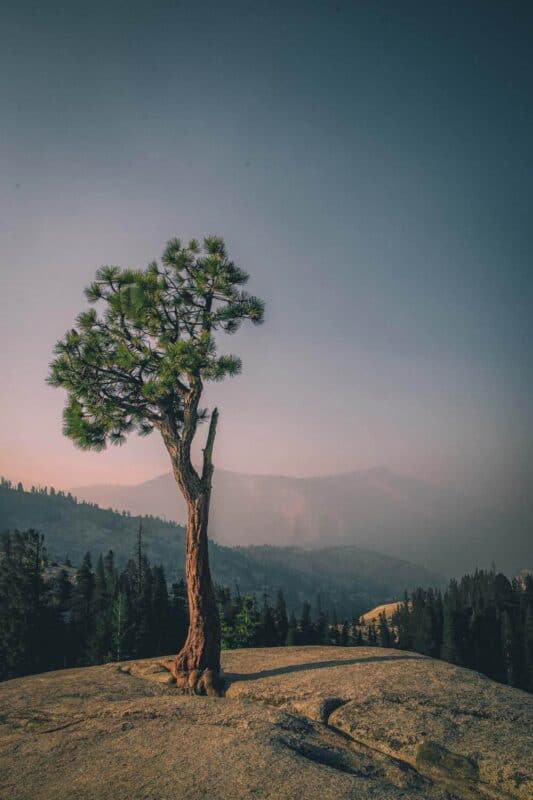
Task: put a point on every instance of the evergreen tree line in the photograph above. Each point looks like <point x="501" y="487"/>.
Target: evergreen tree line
<point x="45" y="491"/>
<point x="483" y="621"/>
<point x="245" y="622"/>
<point x="53" y="617"/>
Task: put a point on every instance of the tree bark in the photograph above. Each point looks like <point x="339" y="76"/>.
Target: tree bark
<point x="196" y="668"/>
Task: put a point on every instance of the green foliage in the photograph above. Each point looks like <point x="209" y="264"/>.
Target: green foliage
<point x="372" y="634"/>
<point x="55" y="619"/>
<point x="27" y="618"/>
<point x="384" y="632"/>
<point x="292" y="631"/>
<point x="280" y="618"/>
<point x="528" y="645"/>
<point x="484" y="622"/>
<point x="239" y="619"/>
<point x="135" y="365"/>
<point x="269" y="634"/>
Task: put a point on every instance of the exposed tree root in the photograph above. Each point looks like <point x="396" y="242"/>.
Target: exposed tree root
<point x="195" y="681"/>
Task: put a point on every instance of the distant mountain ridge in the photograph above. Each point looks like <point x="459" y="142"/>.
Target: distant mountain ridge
<point x="378" y="509"/>
<point x="349" y="579"/>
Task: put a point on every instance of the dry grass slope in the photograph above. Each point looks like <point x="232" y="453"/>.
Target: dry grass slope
<point x="373" y="615"/>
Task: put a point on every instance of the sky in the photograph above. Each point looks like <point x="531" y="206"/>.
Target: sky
<point x="368" y="163"/>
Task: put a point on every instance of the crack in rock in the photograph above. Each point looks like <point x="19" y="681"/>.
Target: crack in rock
<point x="433" y="764"/>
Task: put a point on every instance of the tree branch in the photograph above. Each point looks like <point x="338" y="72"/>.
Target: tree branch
<point x="207" y="469"/>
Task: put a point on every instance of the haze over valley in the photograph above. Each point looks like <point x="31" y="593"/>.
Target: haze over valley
<point x="378" y="509"/>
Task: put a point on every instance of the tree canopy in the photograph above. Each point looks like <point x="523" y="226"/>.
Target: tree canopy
<point x="142" y="362"/>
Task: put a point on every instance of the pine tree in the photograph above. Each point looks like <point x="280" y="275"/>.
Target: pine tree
<point x="266" y="633"/>
<point x="119" y="624"/>
<point x="99" y="642"/>
<point x="345" y="634"/>
<point x="528" y="646"/>
<point x="160" y="614"/>
<point x="246" y="622"/>
<point x="452" y="649"/>
<point x="306" y="631"/>
<point x="322" y="626"/>
<point x="357" y="633"/>
<point x="141" y="365"/>
<point x="334" y="632"/>
<point x="292" y="631"/>
<point x="110" y="573"/>
<point x="405" y="641"/>
<point x="25" y="616"/>
<point x="384" y="633"/>
<point x="61" y="591"/>
<point x="280" y="615"/>
<point x="372" y="634"/>
<point x="83" y="617"/>
<point x="508" y="642"/>
<point x="421" y="622"/>
<point x="226" y="611"/>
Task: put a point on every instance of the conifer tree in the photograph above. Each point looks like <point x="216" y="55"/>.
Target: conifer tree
<point x="61" y="590"/>
<point x="422" y="625"/>
<point x="141" y="365"/>
<point x="384" y="633"/>
<point x="280" y="616"/>
<point x="528" y="646"/>
<point x="120" y="620"/>
<point x="321" y="627"/>
<point x="357" y="633"/>
<point x="60" y="600"/>
<point x="24" y="617"/>
<point x="267" y="634"/>
<point x="404" y="625"/>
<point x="82" y="608"/>
<point x="246" y="622"/>
<point x="292" y="631"/>
<point x="359" y="640"/>
<point x="100" y="641"/>
<point x="508" y="642"/>
<point x="160" y="616"/>
<point x="345" y="634"/>
<point x="451" y="649"/>
<point x="110" y="573"/>
<point x="334" y="633"/>
<point x="372" y="634"/>
<point x="306" y="632"/>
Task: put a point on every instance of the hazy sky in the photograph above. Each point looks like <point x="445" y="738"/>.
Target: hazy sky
<point x="369" y="163"/>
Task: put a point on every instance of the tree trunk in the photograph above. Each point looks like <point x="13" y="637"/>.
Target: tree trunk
<point x="197" y="666"/>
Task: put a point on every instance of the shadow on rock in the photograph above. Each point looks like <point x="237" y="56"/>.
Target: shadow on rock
<point x="233" y="677"/>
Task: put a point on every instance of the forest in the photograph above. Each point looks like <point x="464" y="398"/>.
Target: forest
<point x="55" y="615"/>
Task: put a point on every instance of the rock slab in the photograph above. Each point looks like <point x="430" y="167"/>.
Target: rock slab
<point x="296" y="723"/>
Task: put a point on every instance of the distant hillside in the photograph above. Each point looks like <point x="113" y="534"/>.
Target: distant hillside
<point x="376" y="509"/>
<point x="350" y="579"/>
<point x="374" y="614"/>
